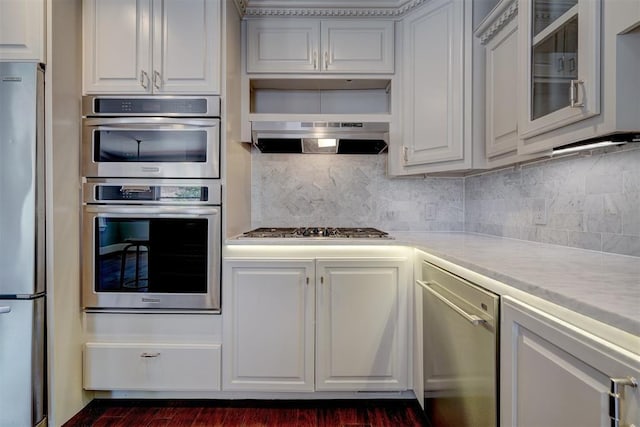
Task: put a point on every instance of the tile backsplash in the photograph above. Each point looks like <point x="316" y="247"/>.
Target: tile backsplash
<point x="297" y="190"/>
<point x="584" y="201"/>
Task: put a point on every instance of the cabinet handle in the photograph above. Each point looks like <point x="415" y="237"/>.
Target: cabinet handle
<point x="573" y="94"/>
<point x="307" y="280"/>
<point x="617" y="384"/>
<point x="315" y="59"/>
<point x="149" y="355"/>
<point x="471" y="318"/>
<point x="144" y="79"/>
<point x="5" y="309"/>
<point x="157" y="79"/>
<point x="321" y="279"/>
<point x="560" y="66"/>
<point x="326" y="60"/>
<point x="405" y="153"/>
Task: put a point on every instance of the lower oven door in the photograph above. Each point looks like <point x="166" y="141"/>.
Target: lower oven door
<point x="151" y="257"/>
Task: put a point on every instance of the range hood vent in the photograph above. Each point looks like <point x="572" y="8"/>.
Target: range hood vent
<point x="321" y="137"/>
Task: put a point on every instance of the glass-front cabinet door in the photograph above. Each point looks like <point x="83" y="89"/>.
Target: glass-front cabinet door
<point x="560" y="78"/>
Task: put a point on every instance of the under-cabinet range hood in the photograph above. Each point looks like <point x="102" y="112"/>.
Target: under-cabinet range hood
<point x="320" y="137"/>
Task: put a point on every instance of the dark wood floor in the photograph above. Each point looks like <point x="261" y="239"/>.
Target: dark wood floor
<point x="229" y="413"/>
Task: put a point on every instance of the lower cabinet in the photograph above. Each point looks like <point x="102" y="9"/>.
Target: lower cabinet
<point x="554" y="374"/>
<point x="315" y="324"/>
<point x="151" y="367"/>
<point x="151" y="352"/>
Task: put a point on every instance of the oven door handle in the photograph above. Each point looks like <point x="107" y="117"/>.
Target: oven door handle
<point x="156" y="211"/>
<point x="471" y="318"/>
<point x="148" y="123"/>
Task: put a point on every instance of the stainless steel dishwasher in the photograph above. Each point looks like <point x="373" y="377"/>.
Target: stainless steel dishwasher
<point x="460" y="339"/>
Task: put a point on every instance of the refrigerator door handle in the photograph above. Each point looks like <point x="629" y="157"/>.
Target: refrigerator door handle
<point x="5" y="309"/>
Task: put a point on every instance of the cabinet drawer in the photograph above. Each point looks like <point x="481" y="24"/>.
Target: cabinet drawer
<point x="170" y="367"/>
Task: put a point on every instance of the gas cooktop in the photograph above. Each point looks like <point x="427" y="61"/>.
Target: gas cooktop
<point x="316" y="232"/>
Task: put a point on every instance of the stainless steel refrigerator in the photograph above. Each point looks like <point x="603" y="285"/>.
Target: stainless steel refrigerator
<point x="22" y="261"/>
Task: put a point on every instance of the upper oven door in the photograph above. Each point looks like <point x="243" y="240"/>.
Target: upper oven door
<point x="161" y="257"/>
<point x="150" y="147"/>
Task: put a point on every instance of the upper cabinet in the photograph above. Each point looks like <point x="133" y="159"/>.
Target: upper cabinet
<point x="560" y="41"/>
<point x="435" y="125"/>
<point x="280" y="45"/>
<point x="578" y="67"/>
<point x="151" y="46"/>
<point x="22" y="30"/>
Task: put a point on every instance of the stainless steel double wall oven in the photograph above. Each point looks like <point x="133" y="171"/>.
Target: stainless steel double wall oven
<point x="151" y="228"/>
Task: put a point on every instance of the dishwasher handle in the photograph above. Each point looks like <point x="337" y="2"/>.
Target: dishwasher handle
<point x="471" y="318"/>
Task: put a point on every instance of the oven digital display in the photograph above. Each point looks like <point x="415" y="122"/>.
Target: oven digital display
<point x="158" y="193"/>
<point x="146" y="106"/>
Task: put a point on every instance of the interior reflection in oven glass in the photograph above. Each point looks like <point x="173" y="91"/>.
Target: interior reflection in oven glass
<point x="150" y="146"/>
<point x="155" y="255"/>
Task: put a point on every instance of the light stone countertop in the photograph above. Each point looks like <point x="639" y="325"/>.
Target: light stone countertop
<point x="602" y="286"/>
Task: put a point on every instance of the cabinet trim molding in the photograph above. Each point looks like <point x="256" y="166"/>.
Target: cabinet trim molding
<point x="506" y="14"/>
<point x="326" y="12"/>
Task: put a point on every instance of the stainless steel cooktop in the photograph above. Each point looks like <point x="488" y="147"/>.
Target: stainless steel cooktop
<point x="317" y="232"/>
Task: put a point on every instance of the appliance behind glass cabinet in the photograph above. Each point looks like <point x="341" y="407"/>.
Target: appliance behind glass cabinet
<point x="22" y="261"/>
<point x="460" y="330"/>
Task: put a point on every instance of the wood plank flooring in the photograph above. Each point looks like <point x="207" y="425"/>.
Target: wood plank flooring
<point x="250" y="413"/>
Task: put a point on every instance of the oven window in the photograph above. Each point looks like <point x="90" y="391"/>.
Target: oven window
<point x="154" y="255"/>
<point x="150" y="146"/>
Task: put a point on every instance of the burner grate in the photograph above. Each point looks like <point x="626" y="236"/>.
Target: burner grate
<point x="317" y="232"/>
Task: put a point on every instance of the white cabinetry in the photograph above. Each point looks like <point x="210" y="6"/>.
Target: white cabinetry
<point x="152" y="352"/>
<point x="22" y="30"/>
<point x="435" y="128"/>
<point x="578" y="68"/>
<point x="554" y="374"/>
<point x="560" y="44"/>
<point x="361" y="325"/>
<point x="501" y="73"/>
<point x="358" y="307"/>
<point x="151" y="46"/>
<point x="269" y="325"/>
<point x="312" y="46"/>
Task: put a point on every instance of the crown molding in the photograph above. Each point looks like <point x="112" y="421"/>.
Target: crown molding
<point x="355" y="12"/>
<point x="496" y="20"/>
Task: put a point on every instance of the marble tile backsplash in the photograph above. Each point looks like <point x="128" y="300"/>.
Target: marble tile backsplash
<point x="584" y="201"/>
<point x="297" y="190"/>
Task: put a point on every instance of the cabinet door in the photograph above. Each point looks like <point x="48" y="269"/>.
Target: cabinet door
<point x="433" y="127"/>
<point x="357" y="46"/>
<point x="560" y="54"/>
<point x="22" y="25"/>
<point x="117" y="53"/>
<point x="501" y="89"/>
<point x="552" y="374"/>
<point x="186" y="46"/>
<point x="283" y="46"/>
<point x="268" y="327"/>
<point x="361" y="328"/>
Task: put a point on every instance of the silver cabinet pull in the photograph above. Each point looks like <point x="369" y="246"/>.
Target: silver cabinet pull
<point x="157" y="79"/>
<point x="6" y="309"/>
<point x="315" y="59"/>
<point x="326" y="60"/>
<point x="146" y="355"/>
<point x="616" y="386"/>
<point x="144" y="79"/>
<point x="573" y="94"/>
<point x="471" y="318"/>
